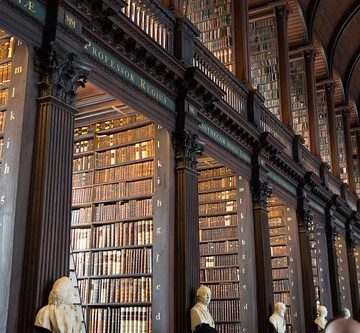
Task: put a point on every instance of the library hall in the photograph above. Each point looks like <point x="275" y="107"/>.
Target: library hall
<point x="179" y="166"/>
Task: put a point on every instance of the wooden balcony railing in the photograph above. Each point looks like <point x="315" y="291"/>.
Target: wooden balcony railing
<point x="310" y="162"/>
<point x="269" y="123"/>
<point x="154" y="19"/>
<point x="235" y="92"/>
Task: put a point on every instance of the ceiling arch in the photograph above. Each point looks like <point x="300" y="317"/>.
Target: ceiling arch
<point x="340" y="28"/>
<point x="355" y="59"/>
<point x="310" y="17"/>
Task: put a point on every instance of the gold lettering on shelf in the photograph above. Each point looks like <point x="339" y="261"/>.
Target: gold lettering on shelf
<point x="243" y="242"/>
<point x="158" y="180"/>
<point x="13" y="92"/>
<point x="18" y="70"/>
<point x="8" y="143"/>
<point x="158" y="230"/>
<point x="244" y="286"/>
<point x="19" y="42"/>
<point x="158" y="317"/>
<point x="6" y="169"/>
<point x="158" y="203"/>
<point x="2" y="199"/>
<point x="246" y="306"/>
<point x="70" y="21"/>
<point x="158" y="286"/>
<point x="158" y="144"/>
<point x="244" y="256"/>
<point x="157" y="257"/>
<point x="158" y="164"/>
<point x="159" y="127"/>
<point x="12" y="115"/>
<point x="30" y="6"/>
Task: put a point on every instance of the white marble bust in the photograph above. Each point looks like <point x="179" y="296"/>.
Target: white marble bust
<point x="277" y="319"/>
<point x="347" y="313"/>
<point x="320" y="320"/>
<point x="199" y="313"/>
<point x="60" y="315"/>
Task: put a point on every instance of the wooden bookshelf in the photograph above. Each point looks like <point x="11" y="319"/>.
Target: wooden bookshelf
<point x="213" y="18"/>
<point x="299" y="99"/>
<point x="264" y="61"/>
<point x="112" y="223"/>
<point x="323" y="126"/>
<point x="315" y="265"/>
<point x="219" y="242"/>
<point x="341" y="148"/>
<point x="6" y="55"/>
<point x="357" y="261"/>
<point x="355" y="152"/>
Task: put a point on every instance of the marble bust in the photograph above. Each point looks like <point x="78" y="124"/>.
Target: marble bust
<point x="60" y="315"/>
<point x="347" y="313"/>
<point x="277" y="319"/>
<point x="201" y="319"/>
<point x="320" y="320"/>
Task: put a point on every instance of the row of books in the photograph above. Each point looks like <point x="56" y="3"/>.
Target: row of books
<point x="204" y="13"/>
<point x="213" y="196"/>
<point x="124" y="172"/>
<point x="219" y="44"/>
<point x="214" y="261"/>
<point x="219" y="274"/>
<point x="123" y="234"/>
<point x="82" y="179"/>
<point x="283" y="297"/>
<point x="215" y="172"/>
<point x="129" y="153"/>
<point x="81" y="195"/>
<point x="135" y="134"/>
<point x="270" y="79"/>
<point x="4" y="98"/>
<point x="214" y="23"/>
<point x="82" y="215"/>
<point x="83" y="163"/>
<point x="83" y="130"/>
<point x="83" y="146"/>
<point x="119" y="122"/>
<point x="127" y="290"/>
<point x="218" y="221"/>
<point x="278" y="240"/>
<point x="279" y="230"/>
<point x="125" y="320"/>
<point x="1" y="147"/>
<point x="210" y="35"/>
<point x="122" y="262"/>
<point x="227" y="310"/>
<point x="279" y="262"/>
<point x="229" y="328"/>
<point x="220" y="247"/>
<point x="260" y="60"/>
<point x="281" y="285"/>
<point x="225" y="56"/>
<point x="80" y="239"/>
<point x="6" y="48"/>
<point x="212" y="234"/>
<point x="5" y="73"/>
<point x="263" y="47"/>
<point x="278" y="250"/>
<point x="123" y="210"/>
<point x="217" y="184"/>
<point x="280" y="273"/>
<point x="202" y="4"/>
<point x="123" y="189"/>
<point x="224" y="290"/>
<point x="220" y="207"/>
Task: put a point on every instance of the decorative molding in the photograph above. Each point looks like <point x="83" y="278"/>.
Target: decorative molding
<point x="282" y="12"/>
<point x="309" y="55"/>
<point x="61" y="74"/>
<point x="262" y="193"/>
<point x="330" y="87"/>
<point x="188" y="147"/>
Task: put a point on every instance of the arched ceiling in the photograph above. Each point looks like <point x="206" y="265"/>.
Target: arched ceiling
<point x="333" y="27"/>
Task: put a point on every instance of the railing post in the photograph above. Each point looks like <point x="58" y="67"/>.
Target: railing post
<point x="298" y="142"/>
<point x="254" y="102"/>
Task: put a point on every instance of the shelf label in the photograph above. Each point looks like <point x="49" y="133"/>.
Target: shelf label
<point x="33" y="7"/>
<point x="97" y="52"/>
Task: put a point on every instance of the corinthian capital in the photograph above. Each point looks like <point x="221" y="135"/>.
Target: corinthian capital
<point x="61" y="73"/>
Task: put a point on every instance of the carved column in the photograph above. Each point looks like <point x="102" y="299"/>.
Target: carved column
<point x="348" y="147"/>
<point x="354" y="286"/>
<point x="261" y="191"/>
<point x="311" y="102"/>
<point x="331" y="233"/>
<point x="48" y="233"/>
<point x="240" y="20"/>
<point x="330" y="101"/>
<point x="282" y="13"/>
<point x="306" y="225"/>
<point x="187" y="265"/>
<point x="358" y="146"/>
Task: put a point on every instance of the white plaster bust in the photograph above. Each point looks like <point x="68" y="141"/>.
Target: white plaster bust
<point x="347" y="313"/>
<point x="277" y="318"/>
<point x="199" y="313"/>
<point x="60" y="315"/>
<point x="320" y="320"/>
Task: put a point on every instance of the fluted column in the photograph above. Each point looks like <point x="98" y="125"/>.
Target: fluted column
<point x="311" y="102"/>
<point x="331" y="233"/>
<point x="187" y="264"/>
<point x="240" y="19"/>
<point x="262" y="190"/>
<point x="330" y="101"/>
<point x="48" y="233"/>
<point x="305" y="225"/>
<point x="354" y="286"/>
<point x="282" y="13"/>
<point x="348" y="147"/>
